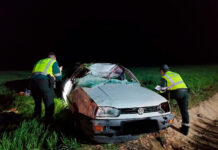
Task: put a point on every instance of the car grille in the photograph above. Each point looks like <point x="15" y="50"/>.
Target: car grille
<point x="135" y="110"/>
<point x="139" y="127"/>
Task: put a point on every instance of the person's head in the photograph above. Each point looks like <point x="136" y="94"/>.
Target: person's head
<point x="52" y="55"/>
<point x="164" y="69"/>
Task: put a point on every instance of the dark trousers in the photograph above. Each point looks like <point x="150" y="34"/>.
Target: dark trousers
<point x="181" y="96"/>
<point x="43" y="91"/>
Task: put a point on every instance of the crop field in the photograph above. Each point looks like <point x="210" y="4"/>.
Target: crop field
<point x="19" y="131"/>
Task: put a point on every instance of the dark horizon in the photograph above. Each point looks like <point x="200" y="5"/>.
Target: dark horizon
<point x="146" y="33"/>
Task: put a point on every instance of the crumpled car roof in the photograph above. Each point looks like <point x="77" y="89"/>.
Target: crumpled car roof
<point x="105" y="70"/>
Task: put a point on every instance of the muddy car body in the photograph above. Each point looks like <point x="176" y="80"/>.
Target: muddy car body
<point x="112" y="106"/>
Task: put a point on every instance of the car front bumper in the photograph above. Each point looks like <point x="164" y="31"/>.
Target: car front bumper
<point x="119" y="130"/>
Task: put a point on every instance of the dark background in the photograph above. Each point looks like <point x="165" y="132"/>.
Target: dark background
<point x="133" y="33"/>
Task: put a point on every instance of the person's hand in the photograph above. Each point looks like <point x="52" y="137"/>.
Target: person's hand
<point x="61" y="68"/>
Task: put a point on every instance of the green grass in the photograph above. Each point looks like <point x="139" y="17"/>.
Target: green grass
<point x="202" y="80"/>
<point x="32" y="134"/>
<point x="196" y="77"/>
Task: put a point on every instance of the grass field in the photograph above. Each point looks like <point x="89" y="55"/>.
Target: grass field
<point x="202" y="80"/>
<point x="27" y="133"/>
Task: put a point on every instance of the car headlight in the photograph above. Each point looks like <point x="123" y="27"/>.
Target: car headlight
<point x="107" y="112"/>
<point x="66" y="89"/>
<point x="164" y="107"/>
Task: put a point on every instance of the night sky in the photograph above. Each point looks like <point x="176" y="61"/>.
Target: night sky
<point x="133" y="33"/>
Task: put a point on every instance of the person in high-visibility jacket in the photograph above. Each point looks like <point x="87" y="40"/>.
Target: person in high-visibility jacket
<point x="44" y="74"/>
<point x="173" y="87"/>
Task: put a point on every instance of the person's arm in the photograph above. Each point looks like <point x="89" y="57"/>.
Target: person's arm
<point x="163" y="91"/>
<point x="163" y="84"/>
<point x="57" y="71"/>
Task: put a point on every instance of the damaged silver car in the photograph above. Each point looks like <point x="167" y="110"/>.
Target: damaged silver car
<point x="112" y="106"/>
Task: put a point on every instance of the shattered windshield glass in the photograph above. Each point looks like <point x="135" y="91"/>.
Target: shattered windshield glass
<point x="103" y="73"/>
<point x="92" y="81"/>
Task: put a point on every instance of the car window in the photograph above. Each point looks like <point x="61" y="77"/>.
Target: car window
<point x="80" y="72"/>
<point x="98" y="74"/>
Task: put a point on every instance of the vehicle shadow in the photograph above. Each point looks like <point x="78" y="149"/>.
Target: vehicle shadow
<point x="64" y="123"/>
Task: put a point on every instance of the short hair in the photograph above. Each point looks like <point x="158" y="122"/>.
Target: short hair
<point x="164" y="67"/>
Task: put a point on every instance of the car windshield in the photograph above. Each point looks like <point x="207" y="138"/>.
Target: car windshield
<point x="103" y="73"/>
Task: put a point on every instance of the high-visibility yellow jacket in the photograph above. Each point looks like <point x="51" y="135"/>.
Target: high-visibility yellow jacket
<point x="44" y="67"/>
<point x="174" y="81"/>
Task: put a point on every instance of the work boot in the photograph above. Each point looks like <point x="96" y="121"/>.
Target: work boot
<point x="184" y="130"/>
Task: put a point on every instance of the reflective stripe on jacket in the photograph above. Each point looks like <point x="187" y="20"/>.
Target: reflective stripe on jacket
<point x="44" y="67"/>
<point x="174" y="81"/>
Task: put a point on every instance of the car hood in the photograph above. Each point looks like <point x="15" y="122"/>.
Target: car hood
<point x="124" y="96"/>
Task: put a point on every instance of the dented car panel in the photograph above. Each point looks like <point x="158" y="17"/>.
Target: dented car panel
<point x="111" y="104"/>
<point x="113" y="95"/>
<point x="82" y="103"/>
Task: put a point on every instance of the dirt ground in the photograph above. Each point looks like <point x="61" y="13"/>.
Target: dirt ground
<point x="203" y="133"/>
